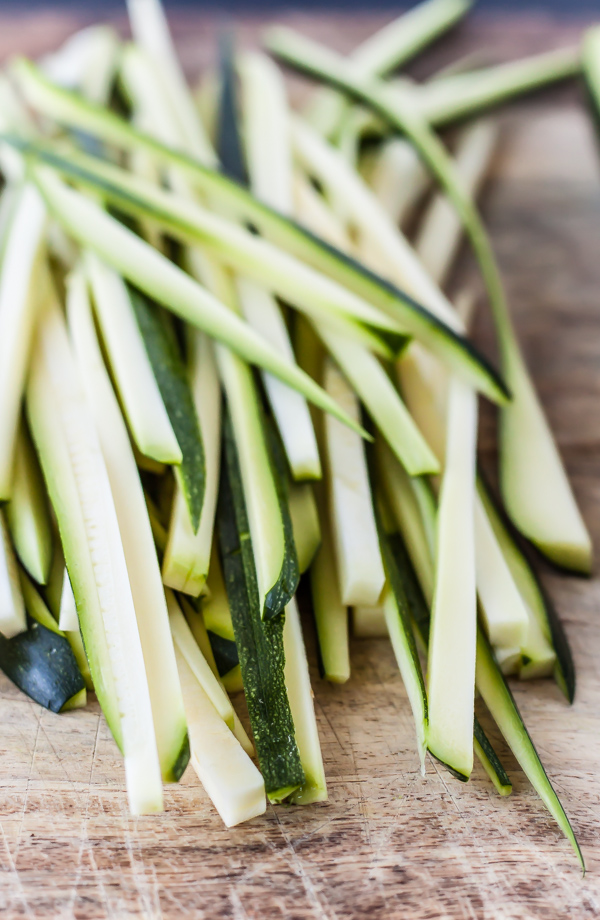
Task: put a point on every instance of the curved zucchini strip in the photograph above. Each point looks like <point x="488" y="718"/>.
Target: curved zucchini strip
<point x="500" y="702"/>
<point x="463" y="95"/>
<point x="534" y="483"/>
<point x="27" y="513"/>
<point x="171" y="375"/>
<point x="138" y="545"/>
<point x="160" y="279"/>
<point x="259" y="642"/>
<point x="132" y="371"/>
<point x="78" y="485"/>
<point x="19" y="305"/>
<point x="187" y="554"/>
<point x="387" y="50"/>
<point x="68" y="108"/>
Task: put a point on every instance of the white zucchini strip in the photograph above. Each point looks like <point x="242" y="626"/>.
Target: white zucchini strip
<point x="382" y="240"/>
<point x="12" y="607"/>
<point x="386" y="50"/>
<point x="290" y="409"/>
<point x="379" y="396"/>
<point x="231" y="780"/>
<point x="502" y="607"/>
<point x="136" y="535"/>
<point x="398" y="179"/>
<point x="138" y="390"/>
<point x="73" y="637"/>
<point x="86" y="62"/>
<point x="300" y="695"/>
<point x="369" y="622"/>
<point x="28" y="514"/>
<point x="216" y="614"/>
<point x="187" y="645"/>
<point x="19" y="303"/>
<point x="440" y="232"/>
<point x="151" y="32"/>
<point x="453" y="97"/>
<point x="167" y="284"/>
<point x="359" y="564"/>
<point x="187" y="554"/>
<point x="452" y="644"/>
<point x="78" y="484"/>
<point x="68" y="620"/>
<point x="312" y="210"/>
<point x="331" y="614"/>
<point x="305" y="522"/>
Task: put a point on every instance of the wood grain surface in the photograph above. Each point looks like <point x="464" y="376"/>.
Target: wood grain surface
<point x="389" y="843"/>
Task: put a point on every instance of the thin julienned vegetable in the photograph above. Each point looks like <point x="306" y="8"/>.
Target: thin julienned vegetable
<point x="12" y="608"/>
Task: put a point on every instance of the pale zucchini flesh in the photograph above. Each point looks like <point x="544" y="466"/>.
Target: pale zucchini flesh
<point x="12" y="608"/>
<point x="305" y="522"/>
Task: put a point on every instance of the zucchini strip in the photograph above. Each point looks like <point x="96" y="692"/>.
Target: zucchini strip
<point x="79" y="489"/>
<point x="535" y="488"/>
<point x="369" y="623"/>
<point x="297" y="681"/>
<point x="12" y="608"/>
<point x="86" y="62"/>
<point x="305" y="522"/>
<point x="27" y="513"/>
<point x="385" y="51"/>
<point x="187" y="554"/>
<point x="161" y="279"/>
<point x="231" y="780"/>
<point x="259" y="642"/>
<point x="451" y="679"/>
<point x="40" y="660"/>
<point x="19" y="304"/>
<point x="490" y="763"/>
<point x="216" y="614"/>
<point x="136" y="535"/>
<point x="440" y="231"/>
<point x="172" y="378"/>
<point x="500" y="702"/>
<point x="68" y="108"/>
<point x="463" y="95"/>
<point x="359" y="565"/>
<point x="187" y="645"/>
<point x="398" y="179"/>
<point x="132" y="371"/>
<point x="68" y="621"/>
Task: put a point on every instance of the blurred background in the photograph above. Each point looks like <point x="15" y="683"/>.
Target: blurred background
<point x="562" y="8"/>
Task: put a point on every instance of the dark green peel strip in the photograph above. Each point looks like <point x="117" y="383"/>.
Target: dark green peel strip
<point x="259" y="642"/>
<point x="171" y="376"/>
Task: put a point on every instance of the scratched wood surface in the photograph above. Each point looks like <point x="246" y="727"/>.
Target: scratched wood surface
<point x="389" y="843"/>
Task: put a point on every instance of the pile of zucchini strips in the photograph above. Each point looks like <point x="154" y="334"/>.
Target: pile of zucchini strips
<point x="225" y="366"/>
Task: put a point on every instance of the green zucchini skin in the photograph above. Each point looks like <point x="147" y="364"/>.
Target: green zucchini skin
<point x="259" y="642"/>
<point x="41" y="664"/>
<point x="171" y="375"/>
<point x="229" y="143"/>
<point x="225" y="653"/>
<point x="286" y="585"/>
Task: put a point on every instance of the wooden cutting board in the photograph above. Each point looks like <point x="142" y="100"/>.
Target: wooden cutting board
<point x="389" y="843"/>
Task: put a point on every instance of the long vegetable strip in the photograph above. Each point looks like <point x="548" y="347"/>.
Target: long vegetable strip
<point x="499" y="700"/>
<point x="305" y="522"/>
<point x="463" y="95"/>
<point x="86" y="62"/>
<point x="68" y="620"/>
<point x="69" y="108"/>
<point x="136" y="535"/>
<point x="260" y="642"/>
<point x="12" y="608"/>
<point x="451" y="680"/>
<point x="235" y="786"/>
<point x="360" y="571"/>
<point x="297" y="679"/>
<point x="187" y="554"/>
<point x="386" y="50"/>
<point x="18" y="309"/>
<point x="161" y="279"/>
<point x="139" y="393"/>
<point x="534" y="484"/>
<point x="187" y="645"/>
<point x="440" y="232"/>
<point x="27" y="513"/>
<point x="79" y="489"/>
<point x="398" y="179"/>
